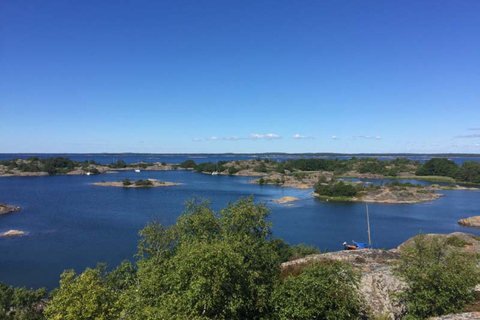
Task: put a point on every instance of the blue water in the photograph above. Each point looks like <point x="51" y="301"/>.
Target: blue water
<point x="74" y="225"/>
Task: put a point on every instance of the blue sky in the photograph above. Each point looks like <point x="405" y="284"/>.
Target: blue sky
<point x="240" y="76"/>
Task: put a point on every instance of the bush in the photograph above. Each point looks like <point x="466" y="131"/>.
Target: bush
<point x="321" y="291"/>
<point x="440" y="278"/>
<point x="338" y="189"/>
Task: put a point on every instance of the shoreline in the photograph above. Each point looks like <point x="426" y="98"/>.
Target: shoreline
<point x="119" y="184"/>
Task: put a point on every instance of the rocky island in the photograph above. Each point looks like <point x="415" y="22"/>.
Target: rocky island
<point x="12" y="233"/>
<point x="5" y="208"/>
<point x="148" y="183"/>
<point x="286" y="199"/>
<point x="35" y="166"/>
<point x="470" y="222"/>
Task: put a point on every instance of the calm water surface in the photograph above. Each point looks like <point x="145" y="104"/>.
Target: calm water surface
<point x="74" y="225"/>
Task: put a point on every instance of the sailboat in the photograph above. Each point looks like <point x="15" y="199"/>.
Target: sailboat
<point x="361" y="245"/>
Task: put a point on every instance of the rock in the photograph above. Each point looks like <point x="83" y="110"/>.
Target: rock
<point x="12" y="233"/>
<point x="285" y="200"/>
<point x="470" y="222"/>
<point x="466" y="242"/>
<point x="119" y="184"/>
<point x="378" y="285"/>
<point x="5" y="208"/>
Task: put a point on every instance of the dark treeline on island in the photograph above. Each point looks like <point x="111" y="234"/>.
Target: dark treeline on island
<point x="226" y="265"/>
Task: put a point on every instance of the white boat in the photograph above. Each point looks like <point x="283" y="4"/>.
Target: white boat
<point x="214" y="173"/>
<point x="137" y="170"/>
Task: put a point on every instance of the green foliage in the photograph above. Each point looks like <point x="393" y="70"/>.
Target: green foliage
<point x="336" y="189"/>
<point x="210" y="265"/>
<point x="469" y="172"/>
<point x="82" y="297"/>
<point x="261" y="167"/>
<point x="210" y="167"/>
<point x="440" y="278"/>
<point x="143" y="183"/>
<point x="438" y="167"/>
<point x="126" y="182"/>
<point x="232" y="170"/>
<point x="119" y="164"/>
<point x="188" y="164"/>
<point x="21" y="303"/>
<point x="287" y="252"/>
<point x="58" y="165"/>
<point x="320" y="291"/>
<point x="374" y="166"/>
<point x="456" y="242"/>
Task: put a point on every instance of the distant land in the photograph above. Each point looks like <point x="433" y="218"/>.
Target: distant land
<point x="307" y="154"/>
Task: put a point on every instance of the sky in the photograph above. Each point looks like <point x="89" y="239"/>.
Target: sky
<point x="243" y="76"/>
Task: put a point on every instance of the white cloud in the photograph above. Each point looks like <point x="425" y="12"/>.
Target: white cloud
<point x="299" y="136"/>
<point x="268" y="136"/>
<point x="197" y="139"/>
<point x="361" y="136"/>
<point x="335" y="138"/>
<point x="234" y="138"/>
<point x="474" y="129"/>
<point x="211" y="138"/>
<point x="476" y="135"/>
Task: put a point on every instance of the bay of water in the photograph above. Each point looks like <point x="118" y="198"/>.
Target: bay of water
<point x="74" y="225"/>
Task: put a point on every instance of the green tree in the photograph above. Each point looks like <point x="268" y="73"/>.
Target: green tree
<point x="188" y="164"/>
<point x="209" y="265"/>
<point x="21" y="303"/>
<point x="438" y="167"/>
<point x="325" y="290"/>
<point x="82" y="297"/>
<point x="469" y="172"/>
<point x="440" y="278"/>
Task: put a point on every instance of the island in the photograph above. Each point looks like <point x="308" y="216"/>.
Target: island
<point x="470" y="222"/>
<point x="5" y="208"/>
<point x="286" y="199"/>
<point x="35" y="166"/>
<point x="148" y="183"/>
<point x="12" y="233"/>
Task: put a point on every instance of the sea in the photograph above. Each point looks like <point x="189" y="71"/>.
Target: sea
<point x="73" y="224"/>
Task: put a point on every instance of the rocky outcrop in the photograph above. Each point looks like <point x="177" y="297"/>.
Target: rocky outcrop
<point x="286" y="199"/>
<point x="12" y="233"/>
<point x="5" y="208"/>
<point x="465" y="242"/>
<point x="378" y="285"/>
<point x="470" y="222"/>
<point x="396" y="195"/>
<point x="153" y="184"/>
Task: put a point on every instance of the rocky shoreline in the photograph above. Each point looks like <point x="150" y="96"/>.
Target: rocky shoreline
<point x="5" y="208"/>
<point x="120" y="184"/>
<point x="470" y="222"/>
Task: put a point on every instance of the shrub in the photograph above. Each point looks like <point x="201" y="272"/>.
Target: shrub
<point x="440" y="278"/>
<point x="325" y="290"/>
